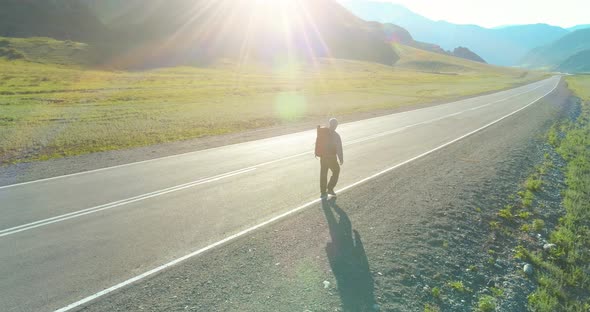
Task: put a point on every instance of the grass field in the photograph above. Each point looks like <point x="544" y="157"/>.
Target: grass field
<point x="563" y="281"/>
<point x="51" y="108"/>
<point x="561" y="264"/>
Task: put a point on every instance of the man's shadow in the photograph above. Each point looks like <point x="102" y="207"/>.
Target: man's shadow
<point x="348" y="261"/>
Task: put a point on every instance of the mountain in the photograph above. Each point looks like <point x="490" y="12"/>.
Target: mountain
<point x="59" y="19"/>
<point x="578" y="27"/>
<point x="203" y="31"/>
<point x="553" y="54"/>
<point x="148" y="33"/>
<point x="501" y="46"/>
<point x="577" y="63"/>
<point x="465" y="53"/>
<point x="397" y="34"/>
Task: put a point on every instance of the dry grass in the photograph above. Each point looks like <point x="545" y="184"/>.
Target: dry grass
<point x="49" y="110"/>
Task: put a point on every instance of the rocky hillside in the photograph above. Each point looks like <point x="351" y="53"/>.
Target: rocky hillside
<point x="465" y="53"/>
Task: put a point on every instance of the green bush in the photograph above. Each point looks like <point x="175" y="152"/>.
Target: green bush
<point x="431" y="308"/>
<point x="436" y="292"/>
<point x="533" y="184"/>
<point x="11" y="53"/>
<point x="538" y="225"/>
<point x="486" y="303"/>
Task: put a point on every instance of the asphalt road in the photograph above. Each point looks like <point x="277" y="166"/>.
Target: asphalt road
<point x="67" y="238"/>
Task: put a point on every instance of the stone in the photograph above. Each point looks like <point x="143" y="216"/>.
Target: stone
<point x="528" y="269"/>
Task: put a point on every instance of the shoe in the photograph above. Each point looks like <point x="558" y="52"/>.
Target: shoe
<point x="324" y="196"/>
<point x="331" y="192"/>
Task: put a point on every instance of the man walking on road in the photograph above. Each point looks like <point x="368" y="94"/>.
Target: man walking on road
<point x="331" y="158"/>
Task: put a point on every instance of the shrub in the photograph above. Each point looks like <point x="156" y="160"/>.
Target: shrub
<point x="486" y="303"/>
<point x="458" y="286"/>
<point x="532" y="184"/>
<point x="431" y="308"/>
<point x="538" y="225"/>
<point x="436" y="292"/>
<point x="506" y="213"/>
<point x="11" y="53"/>
<point x="527" y="198"/>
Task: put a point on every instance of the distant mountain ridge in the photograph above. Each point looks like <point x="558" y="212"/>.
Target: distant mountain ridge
<point x="397" y="34"/>
<point x="557" y="53"/>
<point x="501" y="46"/>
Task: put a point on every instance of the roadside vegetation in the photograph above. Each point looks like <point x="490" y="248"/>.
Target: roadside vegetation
<point x="553" y="243"/>
<point x="51" y="108"/>
<point x="563" y="278"/>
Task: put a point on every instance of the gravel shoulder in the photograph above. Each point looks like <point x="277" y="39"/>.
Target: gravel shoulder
<point x="29" y="171"/>
<point x="384" y="244"/>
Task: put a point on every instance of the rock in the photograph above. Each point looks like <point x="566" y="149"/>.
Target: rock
<point x="548" y="247"/>
<point x="326" y="284"/>
<point x="528" y="269"/>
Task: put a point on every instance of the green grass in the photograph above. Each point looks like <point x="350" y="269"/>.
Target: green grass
<point x="562" y="284"/>
<point x="498" y="292"/>
<point x="458" y="286"/>
<point x="51" y="51"/>
<point x="431" y="308"/>
<point x="486" y="303"/>
<point x="527" y="198"/>
<point x="533" y="184"/>
<point x="506" y="213"/>
<point x="436" y="292"/>
<point x="52" y="106"/>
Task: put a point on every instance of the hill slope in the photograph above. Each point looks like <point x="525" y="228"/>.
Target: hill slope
<point x="551" y="55"/>
<point x="577" y="63"/>
<point x="155" y="33"/>
<point x="513" y="42"/>
<point x="412" y="58"/>
<point x="59" y="19"/>
<point x="465" y="53"/>
<point x="203" y="31"/>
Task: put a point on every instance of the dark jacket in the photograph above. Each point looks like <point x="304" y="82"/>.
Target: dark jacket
<point x="335" y="146"/>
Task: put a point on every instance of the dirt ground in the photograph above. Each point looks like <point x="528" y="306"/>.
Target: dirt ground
<point x="383" y="245"/>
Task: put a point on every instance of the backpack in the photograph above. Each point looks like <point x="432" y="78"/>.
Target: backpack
<point x="322" y="142"/>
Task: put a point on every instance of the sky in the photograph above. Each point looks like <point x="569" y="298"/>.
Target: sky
<point x="493" y="13"/>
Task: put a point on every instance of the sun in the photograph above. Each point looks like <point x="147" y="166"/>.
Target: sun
<point x="280" y="14"/>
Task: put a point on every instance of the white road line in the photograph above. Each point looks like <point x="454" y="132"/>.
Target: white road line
<point x="437" y="119"/>
<point x="188" y="153"/>
<point x="281" y="216"/>
<point x="83" y="212"/>
<point x="112" y="205"/>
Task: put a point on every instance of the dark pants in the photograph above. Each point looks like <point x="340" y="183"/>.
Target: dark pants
<point x="332" y="164"/>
